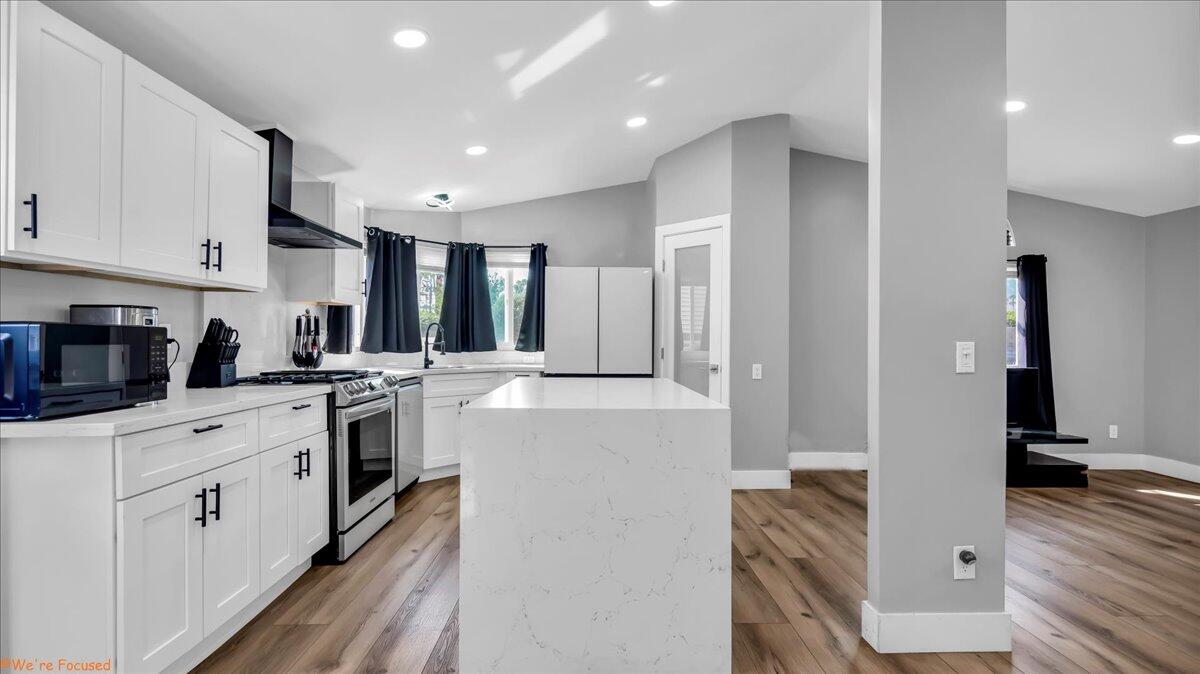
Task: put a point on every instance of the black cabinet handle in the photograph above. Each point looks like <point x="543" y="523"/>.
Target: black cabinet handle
<point x="207" y="246"/>
<point x="218" y="247"/>
<point x="299" y="466"/>
<point x="308" y="462"/>
<point x="216" y="511"/>
<point x="203" y="518"/>
<point x="302" y="407"/>
<point x="32" y="204"/>
<point x="210" y="427"/>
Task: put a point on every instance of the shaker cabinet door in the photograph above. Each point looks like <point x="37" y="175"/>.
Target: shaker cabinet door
<point x="67" y="138"/>
<point x="313" y="499"/>
<point x="441" y="431"/>
<point x="277" y="530"/>
<point x="231" y="542"/>
<point x="165" y="175"/>
<point x="160" y="576"/>
<point x="237" y="204"/>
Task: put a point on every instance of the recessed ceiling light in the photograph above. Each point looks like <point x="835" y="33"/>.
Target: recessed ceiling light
<point x="476" y="150"/>
<point x="1014" y="106"/>
<point x="410" y="38"/>
<point x="1187" y="139"/>
<point x="635" y="122"/>
<point x="660" y="3"/>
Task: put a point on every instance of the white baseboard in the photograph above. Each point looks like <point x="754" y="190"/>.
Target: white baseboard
<point x="438" y="473"/>
<point x="1147" y="462"/>
<point x="827" y="460"/>
<point x="762" y="479"/>
<point x="936" y="632"/>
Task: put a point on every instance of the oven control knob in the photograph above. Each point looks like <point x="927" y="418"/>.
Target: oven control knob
<point x="371" y="385"/>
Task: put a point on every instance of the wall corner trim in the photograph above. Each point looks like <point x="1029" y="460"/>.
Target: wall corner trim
<point x="827" y="460"/>
<point x="762" y="479"/>
<point x="936" y="632"/>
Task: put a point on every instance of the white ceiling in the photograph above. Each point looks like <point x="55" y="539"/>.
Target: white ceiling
<point x="548" y="86"/>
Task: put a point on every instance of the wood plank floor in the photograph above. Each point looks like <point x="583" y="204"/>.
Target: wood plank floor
<point x="1102" y="579"/>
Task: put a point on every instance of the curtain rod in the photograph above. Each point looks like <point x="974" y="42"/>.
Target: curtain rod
<point x="443" y="243"/>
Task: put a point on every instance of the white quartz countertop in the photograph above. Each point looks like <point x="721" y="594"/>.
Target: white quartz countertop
<point x="593" y="393"/>
<point x="182" y="405"/>
<point x="461" y="369"/>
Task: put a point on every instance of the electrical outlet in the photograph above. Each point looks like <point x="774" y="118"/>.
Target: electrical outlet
<point x="756" y="371"/>
<point x="1112" y="432"/>
<point x="963" y="570"/>
<point x="528" y="359"/>
<point x="168" y="327"/>
<point x="964" y="357"/>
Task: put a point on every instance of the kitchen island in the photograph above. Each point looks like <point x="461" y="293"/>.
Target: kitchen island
<point x="595" y="529"/>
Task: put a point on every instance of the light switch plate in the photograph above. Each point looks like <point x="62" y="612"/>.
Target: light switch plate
<point x="756" y="371"/>
<point x="1112" y="432"/>
<point x="964" y="357"/>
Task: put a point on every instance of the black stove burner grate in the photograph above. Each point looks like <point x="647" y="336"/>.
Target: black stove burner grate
<point x="308" y="376"/>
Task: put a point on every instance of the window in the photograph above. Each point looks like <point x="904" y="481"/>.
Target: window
<point x="1010" y="329"/>
<point x="506" y="285"/>
<point x="431" y="282"/>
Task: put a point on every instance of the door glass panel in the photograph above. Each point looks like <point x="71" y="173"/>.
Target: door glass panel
<point x="368" y="454"/>
<point x="693" y="279"/>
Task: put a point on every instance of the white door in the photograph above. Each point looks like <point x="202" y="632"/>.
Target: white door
<point x="572" y="317"/>
<point x="160" y="614"/>
<point x="313" y="499"/>
<point x="67" y="132"/>
<point x="237" y="204"/>
<point x="348" y="265"/>
<point x="277" y="516"/>
<point x="230" y="541"/>
<point x="165" y="175"/>
<point x="694" y="266"/>
<point x="441" y="431"/>
<point x="626" y="320"/>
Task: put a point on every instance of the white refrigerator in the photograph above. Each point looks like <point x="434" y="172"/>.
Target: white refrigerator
<point x="599" y="320"/>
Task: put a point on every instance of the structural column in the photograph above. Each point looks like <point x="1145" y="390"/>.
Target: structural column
<point x="937" y="202"/>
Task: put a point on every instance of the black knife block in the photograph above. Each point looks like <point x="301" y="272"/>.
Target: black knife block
<point x="207" y="369"/>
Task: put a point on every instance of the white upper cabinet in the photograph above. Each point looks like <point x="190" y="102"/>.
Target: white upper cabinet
<point x="237" y="205"/>
<point x="322" y="275"/>
<point x="123" y="171"/>
<point x="164" y="179"/>
<point x="67" y="137"/>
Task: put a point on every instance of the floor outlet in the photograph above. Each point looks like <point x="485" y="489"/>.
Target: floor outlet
<point x="964" y="562"/>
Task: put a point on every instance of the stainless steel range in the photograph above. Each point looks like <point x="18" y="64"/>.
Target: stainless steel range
<point x="365" y="476"/>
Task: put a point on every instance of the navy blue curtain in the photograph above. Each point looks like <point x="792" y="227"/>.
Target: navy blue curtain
<point x="391" y="322"/>
<point x="1031" y="284"/>
<point x="532" y="336"/>
<point x="339" y="329"/>
<point x="466" y="304"/>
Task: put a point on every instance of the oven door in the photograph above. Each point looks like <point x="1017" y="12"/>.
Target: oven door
<point x="366" y="435"/>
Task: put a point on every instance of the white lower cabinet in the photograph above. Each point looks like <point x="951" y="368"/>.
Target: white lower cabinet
<point x="160" y="576"/>
<point x="278" y="488"/>
<point x="441" y="431"/>
<point x="230" y="541"/>
<point x="312" y="511"/>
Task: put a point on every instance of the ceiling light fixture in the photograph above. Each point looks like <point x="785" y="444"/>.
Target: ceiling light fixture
<point x="1186" y="139"/>
<point x="635" y="122"/>
<point x="476" y="150"/>
<point x="660" y="3"/>
<point x="1014" y="106"/>
<point x="410" y="38"/>
<point x="442" y="200"/>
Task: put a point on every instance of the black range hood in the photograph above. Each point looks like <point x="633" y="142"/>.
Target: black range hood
<point x="286" y="228"/>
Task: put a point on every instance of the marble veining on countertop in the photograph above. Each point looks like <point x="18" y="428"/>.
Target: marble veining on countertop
<point x="182" y="405"/>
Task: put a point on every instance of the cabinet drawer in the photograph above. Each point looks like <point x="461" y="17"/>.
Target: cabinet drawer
<point x="506" y="377"/>
<point x="459" y="384"/>
<point x="282" y="423"/>
<point x="151" y="459"/>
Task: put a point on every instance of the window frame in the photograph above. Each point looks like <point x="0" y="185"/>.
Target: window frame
<point x="511" y="327"/>
<point x="1010" y="272"/>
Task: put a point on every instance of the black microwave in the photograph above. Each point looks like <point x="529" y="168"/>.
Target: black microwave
<point x="56" y="369"/>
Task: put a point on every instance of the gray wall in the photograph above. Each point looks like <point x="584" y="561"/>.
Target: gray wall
<point x="1096" y="285"/>
<point x="936" y="205"/>
<point x="601" y="227"/>
<point x="759" y="288"/>
<point x="742" y="169"/>
<point x="1173" y="335"/>
<point x="431" y="224"/>
<point x="828" y="381"/>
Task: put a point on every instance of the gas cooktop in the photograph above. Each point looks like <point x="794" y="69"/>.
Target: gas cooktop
<point x="308" y="376"/>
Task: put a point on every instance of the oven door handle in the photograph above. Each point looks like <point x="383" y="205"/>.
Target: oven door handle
<point x="367" y="409"/>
